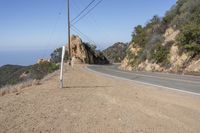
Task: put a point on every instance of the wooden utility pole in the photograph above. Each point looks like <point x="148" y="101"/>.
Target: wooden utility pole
<point x="69" y="42"/>
<point x="63" y="48"/>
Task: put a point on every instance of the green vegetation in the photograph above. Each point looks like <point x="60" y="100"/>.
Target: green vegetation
<point x="139" y="36"/>
<point x="160" y="53"/>
<point x="38" y="71"/>
<point x="184" y="16"/>
<point x="95" y="56"/>
<point x="183" y="13"/>
<point x="189" y="39"/>
<point x="116" y="53"/>
<point x="56" y="55"/>
<point x="12" y="74"/>
<point x="90" y="47"/>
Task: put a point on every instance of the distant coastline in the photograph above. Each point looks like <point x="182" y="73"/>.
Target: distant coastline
<point x="23" y="58"/>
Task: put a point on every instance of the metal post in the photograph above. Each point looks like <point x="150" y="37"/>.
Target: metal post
<point x="61" y="67"/>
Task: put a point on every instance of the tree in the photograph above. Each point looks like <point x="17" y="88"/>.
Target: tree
<point x="56" y="55"/>
<point x="139" y="36"/>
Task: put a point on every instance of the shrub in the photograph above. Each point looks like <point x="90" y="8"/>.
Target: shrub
<point x="117" y="52"/>
<point x="56" y="55"/>
<point x="139" y="36"/>
<point x="160" y="54"/>
<point x="189" y="39"/>
<point x="38" y="71"/>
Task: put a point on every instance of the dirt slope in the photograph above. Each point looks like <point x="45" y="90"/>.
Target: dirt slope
<point x="93" y="103"/>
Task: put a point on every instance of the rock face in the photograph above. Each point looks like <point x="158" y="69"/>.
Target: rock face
<point x="78" y="50"/>
<point x="83" y="53"/>
<point x="148" y="66"/>
<point x="170" y="35"/>
<point x="193" y="67"/>
<point x="179" y="63"/>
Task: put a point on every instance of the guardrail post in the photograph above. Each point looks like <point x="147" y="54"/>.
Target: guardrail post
<point x="61" y="67"/>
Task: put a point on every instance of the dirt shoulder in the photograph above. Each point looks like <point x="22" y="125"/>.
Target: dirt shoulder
<point x="95" y="103"/>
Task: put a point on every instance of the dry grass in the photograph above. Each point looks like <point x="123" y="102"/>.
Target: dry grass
<point x="15" y="88"/>
<point x="49" y="76"/>
<point x="18" y="87"/>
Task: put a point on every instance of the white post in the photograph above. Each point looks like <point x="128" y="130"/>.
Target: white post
<point x="61" y="67"/>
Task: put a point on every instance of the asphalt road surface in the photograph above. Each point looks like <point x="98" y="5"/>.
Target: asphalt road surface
<point x="185" y="83"/>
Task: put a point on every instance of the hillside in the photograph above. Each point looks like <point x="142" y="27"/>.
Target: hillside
<point x="13" y="74"/>
<point x="116" y="53"/>
<point x="10" y="74"/>
<point x="170" y="44"/>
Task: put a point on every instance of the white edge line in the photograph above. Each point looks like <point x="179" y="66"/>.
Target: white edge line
<point x="140" y="82"/>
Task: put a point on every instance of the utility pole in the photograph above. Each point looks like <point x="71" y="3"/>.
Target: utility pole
<point x="63" y="48"/>
<point x="69" y="42"/>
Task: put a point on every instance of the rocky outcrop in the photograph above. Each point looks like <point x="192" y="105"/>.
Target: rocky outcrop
<point x="193" y="67"/>
<point x="170" y="35"/>
<point x="43" y="61"/>
<point x="148" y="66"/>
<point x="83" y="53"/>
<point x="79" y="51"/>
<point x="125" y="65"/>
<point x="178" y="61"/>
<point x="126" y="62"/>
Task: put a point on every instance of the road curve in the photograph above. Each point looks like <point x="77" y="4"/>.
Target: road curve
<point x="185" y="83"/>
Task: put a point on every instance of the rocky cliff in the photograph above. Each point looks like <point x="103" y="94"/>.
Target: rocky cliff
<point x="84" y="53"/>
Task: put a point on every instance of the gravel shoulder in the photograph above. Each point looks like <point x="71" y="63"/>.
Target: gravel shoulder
<point x="94" y="103"/>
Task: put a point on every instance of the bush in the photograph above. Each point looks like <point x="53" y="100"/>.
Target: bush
<point x="189" y="39"/>
<point x="38" y="71"/>
<point x="160" y="54"/>
<point x="139" y="36"/>
<point x="183" y="13"/>
<point x="56" y="55"/>
<point x="117" y="52"/>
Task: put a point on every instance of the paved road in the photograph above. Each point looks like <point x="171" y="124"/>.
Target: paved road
<point x="180" y="82"/>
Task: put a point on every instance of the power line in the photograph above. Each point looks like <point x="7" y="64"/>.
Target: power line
<point x="83" y="35"/>
<point x="88" y="12"/>
<point x="52" y="32"/>
<point x="83" y="10"/>
<point x="75" y="29"/>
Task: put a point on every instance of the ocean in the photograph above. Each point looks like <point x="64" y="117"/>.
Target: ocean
<point x="23" y="58"/>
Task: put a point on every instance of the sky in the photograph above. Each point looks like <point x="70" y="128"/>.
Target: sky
<point x="41" y="25"/>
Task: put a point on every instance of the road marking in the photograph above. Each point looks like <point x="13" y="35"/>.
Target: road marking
<point x="155" y="76"/>
<point x="140" y="82"/>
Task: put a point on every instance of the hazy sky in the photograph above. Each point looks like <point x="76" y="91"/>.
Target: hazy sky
<point x="42" y="24"/>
